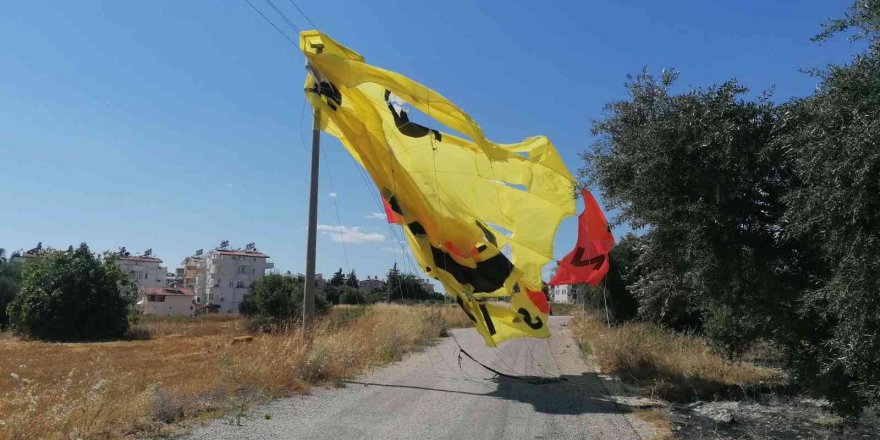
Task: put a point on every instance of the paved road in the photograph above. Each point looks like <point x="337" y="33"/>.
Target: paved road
<point x="429" y="396"/>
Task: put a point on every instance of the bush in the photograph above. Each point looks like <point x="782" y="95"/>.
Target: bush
<point x="73" y="295"/>
<point x="352" y="296"/>
<point x="10" y="278"/>
<point x="622" y="304"/>
<point x="278" y="298"/>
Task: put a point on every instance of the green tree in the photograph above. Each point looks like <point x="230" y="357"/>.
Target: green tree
<point x="617" y="286"/>
<point x="278" y="298"/>
<point x="72" y="295"/>
<point x="352" y="280"/>
<point x="834" y="138"/>
<point x="10" y="279"/>
<point x="338" y="278"/>
<point x="698" y="171"/>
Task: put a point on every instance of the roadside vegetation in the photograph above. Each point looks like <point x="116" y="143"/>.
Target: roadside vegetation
<point x="754" y="221"/>
<point x="179" y="369"/>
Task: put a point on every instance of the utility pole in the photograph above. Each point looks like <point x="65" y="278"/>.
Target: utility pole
<point x="309" y="291"/>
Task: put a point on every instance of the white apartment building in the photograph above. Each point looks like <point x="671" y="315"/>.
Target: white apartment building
<point x="194" y="276"/>
<point x="230" y="274"/>
<point x="567" y="293"/>
<point x="145" y="270"/>
<point x="166" y="301"/>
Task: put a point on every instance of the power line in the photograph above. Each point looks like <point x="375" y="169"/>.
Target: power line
<point x="304" y="14"/>
<point x="270" y="22"/>
<point x="283" y="16"/>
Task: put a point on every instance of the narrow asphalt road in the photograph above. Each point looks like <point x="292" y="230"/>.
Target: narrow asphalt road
<point x="434" y="395"/>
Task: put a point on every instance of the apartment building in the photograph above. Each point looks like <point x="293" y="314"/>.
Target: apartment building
<point x="230" y="274"/>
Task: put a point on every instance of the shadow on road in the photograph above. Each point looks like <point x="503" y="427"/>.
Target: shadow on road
<point x="565" y="395"/>
<point x="570" y="395"/>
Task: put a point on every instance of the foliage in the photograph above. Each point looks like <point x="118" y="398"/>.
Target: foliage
<point x="698" y="172"/>
<point x="758" y="220"/>
<point x="622" y="271"/>
<point x="834" y="137"/>
<point x="338" y="278"/>
<point x="10" y="278"/>
<point x="352" y="296"/>
<point x="342" y="294"/>
<point x="352" y="280"/>
<point x="277" y="299"/>
<point x="72" y="295"/>
<point x="406" y="287"/>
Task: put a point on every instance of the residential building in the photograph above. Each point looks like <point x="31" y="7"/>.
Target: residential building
<point x="230" y="274"/>
<point x="427" y="286"/>
<point x="166" y="301"/>
<point x="567" y="293"/>
<point x="145" y="270"/>
<point x="370" y="284"/>
<point x="195" y="276"/>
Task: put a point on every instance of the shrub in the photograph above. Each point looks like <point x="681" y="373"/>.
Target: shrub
<point x="10" y="278"/>
<point x="278" y="298"/>
<point x="72" y="295"/>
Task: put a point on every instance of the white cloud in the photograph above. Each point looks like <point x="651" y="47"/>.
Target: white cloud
<point x="376" y="216"/>
<point x="345" y="234"/>
<point x="333" y="195"/>
<point x="394" y="250"/>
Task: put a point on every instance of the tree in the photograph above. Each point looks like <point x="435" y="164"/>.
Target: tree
<point x="834" y="138"/>
<point x="73" y="295"/>
<point x="352" y="280"/>
<point x="277" y="298"/>
<point x="338" y="278"/>
<point x="699" y="173"/>
<point x="617" y="286"/>
<point x="10" y="278"/>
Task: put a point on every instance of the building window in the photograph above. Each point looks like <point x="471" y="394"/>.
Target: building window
<point x="230" y="284"/>
<point x="240" y="285"/>
<point x="156" y="298"/>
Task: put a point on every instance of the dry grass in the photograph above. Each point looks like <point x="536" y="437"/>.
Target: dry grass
<point x="188" y="368"/>
<point x="668" y="365"/>
<point x="659" y="419"/>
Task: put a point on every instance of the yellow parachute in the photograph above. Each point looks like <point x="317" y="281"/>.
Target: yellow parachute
<point x="460" y="200"/>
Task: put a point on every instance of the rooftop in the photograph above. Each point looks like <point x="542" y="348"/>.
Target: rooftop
<point x="167" y="291"/>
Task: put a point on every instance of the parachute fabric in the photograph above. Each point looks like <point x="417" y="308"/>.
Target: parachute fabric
<point x="478" y="216"/>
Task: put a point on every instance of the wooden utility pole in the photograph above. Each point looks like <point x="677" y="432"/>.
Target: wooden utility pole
<point x="311" y="242"/>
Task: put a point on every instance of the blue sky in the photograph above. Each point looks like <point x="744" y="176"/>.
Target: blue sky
<point x="174" y="125"/>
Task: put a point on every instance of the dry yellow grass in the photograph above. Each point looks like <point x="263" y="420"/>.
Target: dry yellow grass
<point x="659" y="419"/>
<point x="666" y="364"/>
<point x="188" y="368"/>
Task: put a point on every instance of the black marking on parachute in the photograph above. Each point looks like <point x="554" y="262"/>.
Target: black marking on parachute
<point x="488" y="276"/>
<point x="578" y="259"/>
<point x="527" y="317"/>
<point x="417" y="228"/>
<point x="481" y="248"/>
<point x="466" y="312"/>
<point x="395" y="206"/>
<point x="407" y="128"/>
<point x="330" y="91"/>
<point x="489" y="324"/>
<point x="489" y="235"/>
<point x="427" y="269"/>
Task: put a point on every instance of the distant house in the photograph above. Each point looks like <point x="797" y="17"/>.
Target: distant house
<point x="370" y="284"/>
<point x="166" y="301"/>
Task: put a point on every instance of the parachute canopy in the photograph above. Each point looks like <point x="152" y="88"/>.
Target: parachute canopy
<point x="588" y="262"/>
<point x="478" y="216"/>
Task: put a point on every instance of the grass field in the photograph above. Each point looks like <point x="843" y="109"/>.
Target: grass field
<point x="174" y="370"/>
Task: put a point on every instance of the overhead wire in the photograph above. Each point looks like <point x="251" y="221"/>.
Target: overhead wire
<point x="270" y="22"/>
